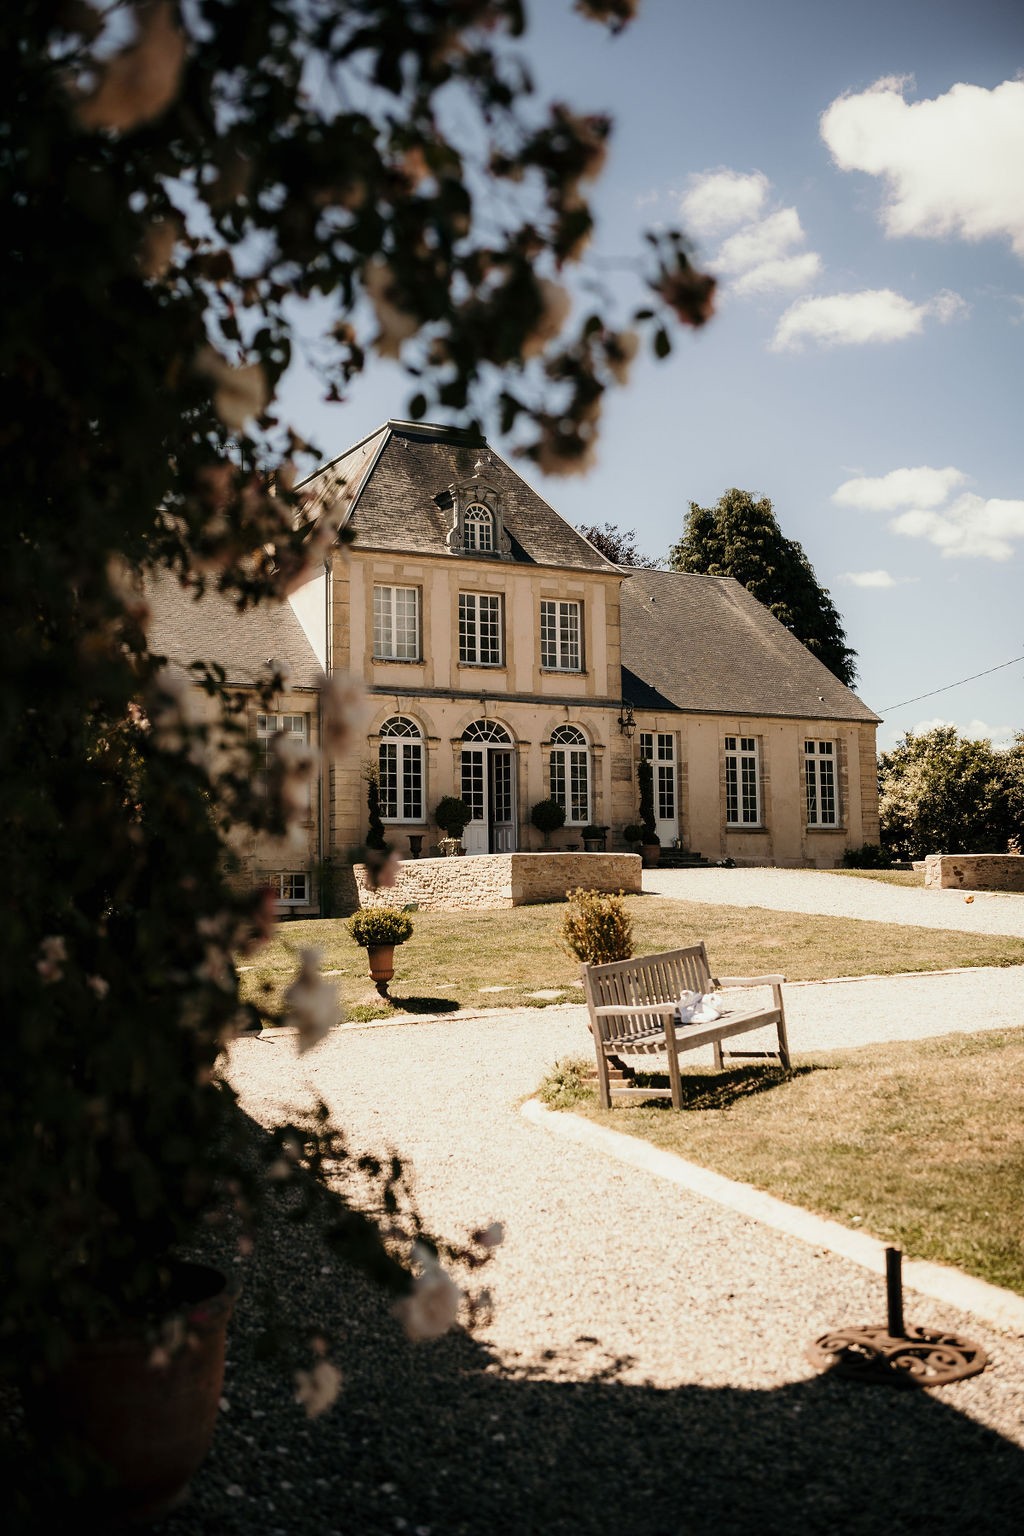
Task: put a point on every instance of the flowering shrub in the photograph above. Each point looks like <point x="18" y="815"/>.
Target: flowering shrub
<point x="380" y="925"/>
<point x="597" y="928"/>
<point x="173" y="191"/>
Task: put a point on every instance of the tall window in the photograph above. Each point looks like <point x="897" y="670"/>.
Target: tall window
<point x="660" y="750"/>
<point x="560" y="636"/>
<point x="396" y="623"/>
<point x="480" y="628"/>
<point x="294" y="727"/>
<point x="742" y="791"/>
<point x="570" y="773"/>
<point x="478" y="527"/>
<point x="400" y="761"/>
<point x="820" y="779"/>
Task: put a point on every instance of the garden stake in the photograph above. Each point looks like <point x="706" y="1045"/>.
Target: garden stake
<point x="897" y="1355"/>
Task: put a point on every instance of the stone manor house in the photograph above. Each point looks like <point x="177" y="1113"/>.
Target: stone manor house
<point x="506" y="661"/>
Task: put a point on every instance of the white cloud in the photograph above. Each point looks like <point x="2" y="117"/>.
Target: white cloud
<point x="719" y="200"/>
<point x="972" y="526"/>
<point x="974" y="730"/>
<point x="952" y="166"/>
<point x="852" y="319"/>
<point x="760" y="241"/>
<point x="874" y="579"/>
<point x="920" y="487"/>
<point x="786" y="272"/>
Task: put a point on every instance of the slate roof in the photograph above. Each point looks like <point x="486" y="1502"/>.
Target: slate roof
<point x="393" y="477"/>
<point x="703" y="644"/>
<point x="212" y="629"/>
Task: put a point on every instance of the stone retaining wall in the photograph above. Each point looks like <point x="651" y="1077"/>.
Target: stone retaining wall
<point x="975" y="871"/>
<point x="493" y="880"/>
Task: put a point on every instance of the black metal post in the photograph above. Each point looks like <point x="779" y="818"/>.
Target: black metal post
<point x="894" y="1291"/>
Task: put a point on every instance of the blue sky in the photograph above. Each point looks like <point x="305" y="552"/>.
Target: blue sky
<point x="864" y="370"/>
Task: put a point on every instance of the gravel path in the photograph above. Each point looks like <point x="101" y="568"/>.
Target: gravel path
<point x="810" y="890"/>
<point x="644" y="1372"/>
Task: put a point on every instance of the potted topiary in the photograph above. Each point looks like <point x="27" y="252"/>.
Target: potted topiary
<point x="378" y="930"/>
<point x="594" y="838"/>
<point x="632" y="833"/>
<point x="547" y="816"/>
<point x="649" y="840"/>
<point x="453" y="817"/>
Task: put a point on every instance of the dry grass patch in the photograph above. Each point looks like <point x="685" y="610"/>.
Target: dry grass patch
<point x="905" y="877"/>
<point x="920" y="1143"/>
<point x="453" y="957"/>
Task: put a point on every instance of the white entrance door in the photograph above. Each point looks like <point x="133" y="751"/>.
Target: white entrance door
<point x="488" y="788"/>
<point x="659" y="747"/>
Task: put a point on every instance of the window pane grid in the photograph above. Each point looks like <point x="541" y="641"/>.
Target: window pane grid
<point x="400" y="771"/>
<point x="820" y="779"/>
<point x="560" y="635"/>
<point x="742" y="801"/>
<point x="396" y="623"/>
<point x="480" y="628"/>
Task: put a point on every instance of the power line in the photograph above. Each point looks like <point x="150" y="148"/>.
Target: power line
<point x="948" y="686"/>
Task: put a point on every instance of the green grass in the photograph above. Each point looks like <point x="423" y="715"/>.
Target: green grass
<point x="453" y="956"/>
<point x="920" y="1143"/>
<point x="906" y="877"/>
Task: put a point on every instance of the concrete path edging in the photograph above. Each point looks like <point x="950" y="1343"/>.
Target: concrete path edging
<point x="992" y="1304"/>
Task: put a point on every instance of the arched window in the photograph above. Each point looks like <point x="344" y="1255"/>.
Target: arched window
<point x="478" y="527"/>
<point x="400" y="761"/>
<point x="570" y="773"/>
<point x="487" y="730"/>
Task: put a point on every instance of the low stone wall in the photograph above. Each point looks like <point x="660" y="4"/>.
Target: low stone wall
<point x="975" y="871"/>
<point x="487" y="881"/>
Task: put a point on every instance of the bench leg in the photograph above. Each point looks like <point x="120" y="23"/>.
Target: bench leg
<point x="716" y="1046"/>
<point x="671" y="1051"/>
<point x="783" y="1038"/>
<point x="603" y="1089"/>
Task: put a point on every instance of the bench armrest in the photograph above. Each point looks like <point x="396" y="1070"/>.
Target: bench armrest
<point x="749" y="981"/>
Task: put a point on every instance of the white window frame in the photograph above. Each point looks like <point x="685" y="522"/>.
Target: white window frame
<point x="561" y="635"/>
<point x="658" y="747"/>
<point x="569" y="774"/>
<point x="290" y="880"/>
<point x="476" y="649"/>
<point x="394" y="639"/>
<point x="743" y="782"/>
<point x="293" y="725"/>
<point x="821" y="782"/>
<point x="478" y="528"/>
<point x="401" y="764"/>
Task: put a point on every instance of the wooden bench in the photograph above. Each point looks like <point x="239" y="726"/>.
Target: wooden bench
<point x="632" y="1007"/>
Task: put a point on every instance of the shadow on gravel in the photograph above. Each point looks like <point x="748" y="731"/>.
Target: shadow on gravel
<point x="442" y="1439"/>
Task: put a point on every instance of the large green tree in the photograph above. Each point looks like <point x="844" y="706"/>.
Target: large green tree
<point x="740" y="536"/>
<point x="940" y="792"/>
<point x="616" y="544"/>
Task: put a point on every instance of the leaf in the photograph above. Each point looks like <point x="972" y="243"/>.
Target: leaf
<point x="662" y="343"/>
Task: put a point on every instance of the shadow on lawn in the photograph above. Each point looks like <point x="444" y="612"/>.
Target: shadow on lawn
<point x="722" y="1089"/>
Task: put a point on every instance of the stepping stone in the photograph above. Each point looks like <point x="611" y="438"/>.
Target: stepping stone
<point x="495" y="989"/>
<point x="546" y="994"/>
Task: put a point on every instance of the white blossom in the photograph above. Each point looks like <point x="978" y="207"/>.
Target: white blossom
<point x="341" y="705"/>
<point x="98" y="985"/>
<point x="433" y="1304"/>
<point x="317" y="1389"/>
<point x="311" y="1002"/>
<point x="53" y="952"/>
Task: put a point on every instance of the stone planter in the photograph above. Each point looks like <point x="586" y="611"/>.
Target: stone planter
<point x="651" y="853"/>
<point x="450" y="847"/>
<point x="142" y="1425"/>
<point x="382" y="965"/>
<point x="415" y="844"/>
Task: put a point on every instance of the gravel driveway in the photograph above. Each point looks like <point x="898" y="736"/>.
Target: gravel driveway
<point x="644" y="1372"/>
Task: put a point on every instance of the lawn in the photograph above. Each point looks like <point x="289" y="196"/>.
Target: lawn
<point x="919" y="1143"/>
<point x="457" y="959"/>
<point x="905" y="877"/>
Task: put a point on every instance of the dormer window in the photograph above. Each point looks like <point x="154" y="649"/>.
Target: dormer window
<point x="478" y="527"/>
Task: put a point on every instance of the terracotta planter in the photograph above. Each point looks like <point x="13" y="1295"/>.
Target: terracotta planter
<point x="382" y="965"/>
<point x="141" y="1430"/>
<point x="651" y="853"/>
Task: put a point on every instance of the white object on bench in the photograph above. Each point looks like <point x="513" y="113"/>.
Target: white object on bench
<point x="633" y="1003"/>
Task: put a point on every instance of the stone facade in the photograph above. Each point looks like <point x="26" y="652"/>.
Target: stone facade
<point x="496" y="880"/>
<point x="975" y="871"/>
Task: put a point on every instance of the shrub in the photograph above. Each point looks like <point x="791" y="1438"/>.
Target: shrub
<point x="633" y="833"/>
<point x="547" y="816"/>
<point x="594" y="833"/>
<point x="870" y="856"/>
<point x="597" y="928"/>
<point x="380" y="925"/>
<point x="453" y="815"/>
<point x="645" y="778"/>
<point x="375" y="833"/>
